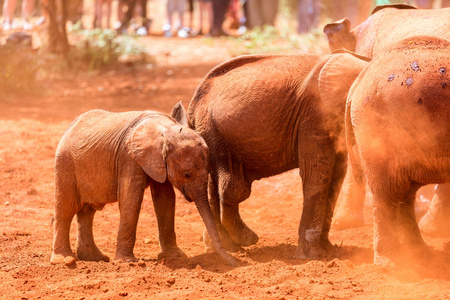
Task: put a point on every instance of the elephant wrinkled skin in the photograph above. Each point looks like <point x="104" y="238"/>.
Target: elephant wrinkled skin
<point x="106" y="157"/>
<point x="262" y="115"/>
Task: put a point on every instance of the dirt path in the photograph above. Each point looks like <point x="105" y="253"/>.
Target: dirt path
<point x="30" y="128"/>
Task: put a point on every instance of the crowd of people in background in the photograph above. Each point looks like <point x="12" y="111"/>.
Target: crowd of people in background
<point x="242" y="14"/>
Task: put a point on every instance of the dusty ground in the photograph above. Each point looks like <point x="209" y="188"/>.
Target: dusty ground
<point x="30" y="128"/>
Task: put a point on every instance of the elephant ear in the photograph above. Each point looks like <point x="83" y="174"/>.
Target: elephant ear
<point x="179" y="114"/>
<point x="339" y="35"/>
<point x="147" y="146"/>
<point x="337" y="76"/>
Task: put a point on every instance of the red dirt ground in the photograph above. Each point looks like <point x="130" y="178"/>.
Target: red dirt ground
<point x="30" y="128"/>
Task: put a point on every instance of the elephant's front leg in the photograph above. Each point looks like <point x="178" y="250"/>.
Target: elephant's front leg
<point x="233" y="189"/>
<point x="131" y="192"/>
<point x="214" y="201"/>
<point x="163" y="197"/>
<point x="316" y="164"/>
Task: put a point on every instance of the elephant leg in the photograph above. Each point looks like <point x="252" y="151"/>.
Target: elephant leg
<point x="409" y="223"/>
<point x="233" y="189"/>
<point x="316" y="164"/>
<point x="86" y="247"/>
<point x="130" y="199"/>
<point x="163" y="197"/>
<point x="214" y="202"/>
<point x="61" y="240"/>
<point x="350" y="209"/>
<point x="436" y="221"/>
<point x="65" y="210"/>
<point x="339" y="170"/>
<point x="385" y="213"/>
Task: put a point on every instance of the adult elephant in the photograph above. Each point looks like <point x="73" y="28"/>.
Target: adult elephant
<point x="262" y="115"/>
<point x="398" y="126"/>
<point x="388" y="25"/>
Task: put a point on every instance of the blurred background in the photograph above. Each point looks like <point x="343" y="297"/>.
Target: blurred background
<point x="41" y="38"/>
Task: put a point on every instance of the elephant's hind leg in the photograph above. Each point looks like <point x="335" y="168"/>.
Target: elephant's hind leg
<point x="317" y="160"/>
<point x="62" y="253"/>
<point x="386" y="221"/>
<point x="86" y="248"/>
<point x="65" y="210"/>
<point x="233" y="189"/>
<point x="409" y="223"/>
<point x="339" y="169"/>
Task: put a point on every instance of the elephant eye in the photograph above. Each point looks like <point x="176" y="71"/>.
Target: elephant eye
<point x="187" y="175"/>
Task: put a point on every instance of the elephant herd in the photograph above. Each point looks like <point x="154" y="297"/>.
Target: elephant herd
<point x="377" y="103"/>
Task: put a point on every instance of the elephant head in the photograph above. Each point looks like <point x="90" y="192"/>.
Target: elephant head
<point x="177" y="154"/>
<point x="174" y="153"/>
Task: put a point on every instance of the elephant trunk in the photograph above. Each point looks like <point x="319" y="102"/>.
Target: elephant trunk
<point x="206" y="214"/>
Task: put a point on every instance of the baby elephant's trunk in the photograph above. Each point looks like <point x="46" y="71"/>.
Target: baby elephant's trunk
<point x="206" y="214"/>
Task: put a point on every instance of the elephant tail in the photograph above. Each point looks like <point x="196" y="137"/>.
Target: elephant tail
<point x="352" y="147"/>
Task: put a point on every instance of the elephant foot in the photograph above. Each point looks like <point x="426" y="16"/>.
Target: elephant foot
<point x="126" y="258"/>
<point x="92" y="255"/>
<point x="347" y="221"/>
<point x="172" y="253"/>
<point x="240" y="233"/>
<point x="437" y="226"/>
<point x="57" y="259"/>
<point x="313" y="245"/>
<point x="311" y="252"/>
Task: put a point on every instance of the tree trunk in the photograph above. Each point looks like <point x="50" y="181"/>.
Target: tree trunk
<point x="56" y="17"/>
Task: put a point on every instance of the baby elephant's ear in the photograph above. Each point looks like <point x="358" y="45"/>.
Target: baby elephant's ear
<point x="146" y="145"/>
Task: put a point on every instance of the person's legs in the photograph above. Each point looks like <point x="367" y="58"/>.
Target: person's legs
<point x="308" y="14"/>
<point x="445" y="3"/>
<point x="180" y="5"/>
<point x="27" y="10"/>
<point x="167" y="27"/>
<point x="191" y="14"/>
<point x="181" y="31"/>
<point x="9" y="6"/>
<point x="206" y="13"/>
<point x="269" y="12"/>
<point x="219" y="10"/>
<point x="145" y="23"/>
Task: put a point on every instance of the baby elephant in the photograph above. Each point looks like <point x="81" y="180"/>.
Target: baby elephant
<point x="106" y="157"/>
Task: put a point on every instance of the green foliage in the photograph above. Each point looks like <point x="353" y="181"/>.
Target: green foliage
<point x="104" y="48"/>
